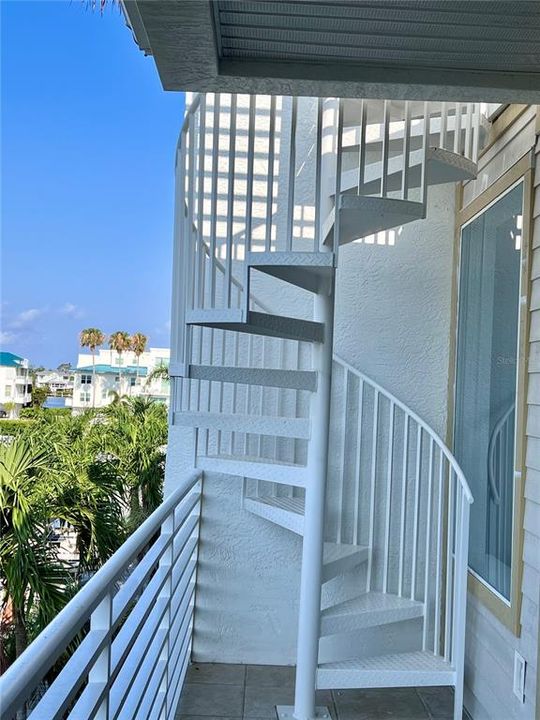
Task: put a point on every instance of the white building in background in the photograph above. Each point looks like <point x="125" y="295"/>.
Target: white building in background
<point x="118" y="374"/>
<point x="59" y="383"/>
<point x="15" y="385"/>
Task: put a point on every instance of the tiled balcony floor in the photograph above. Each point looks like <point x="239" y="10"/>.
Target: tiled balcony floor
<point x="250" y="692"/>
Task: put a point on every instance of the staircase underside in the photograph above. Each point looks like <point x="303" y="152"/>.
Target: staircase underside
<point x="362" y="216"/>
<point x="308" y="270"/>
<point x="257" y="323"/>
<point x="443" y="166"/>
<point x="268" y="377"/>
<point x="288" y="512"/>
<point x="399" y="670"/>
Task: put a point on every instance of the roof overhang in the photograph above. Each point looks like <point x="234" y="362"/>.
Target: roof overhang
<point x="422" y="49"/>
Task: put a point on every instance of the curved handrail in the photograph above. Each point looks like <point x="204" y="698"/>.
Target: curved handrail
<point x="418" y="420"/>
<point x="491" y="453"/>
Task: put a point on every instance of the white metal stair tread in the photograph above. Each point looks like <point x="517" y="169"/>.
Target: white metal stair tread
<point x="269" y="377"/>
<point x="255" y="468"/>
<point x="397" y="670"/>
<point x="367" y="610"/>
<point x="308" y="270"/>
<point x="287" y="512"/>
<point x="443" y="166"/>
<point x="362" y="216"/>
<point x="257" y="323"/>
<point x="260" y="424"/>
<point x="339" y="558"/>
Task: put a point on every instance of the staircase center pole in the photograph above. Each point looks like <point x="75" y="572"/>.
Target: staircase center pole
<point x="312" y="551"/>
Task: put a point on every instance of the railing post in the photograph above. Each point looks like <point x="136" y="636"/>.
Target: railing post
<point x="101" y="620"/>
<point x="312" y="552"/>
<point x="167" y="561"/>
<point x="460" y="610"/>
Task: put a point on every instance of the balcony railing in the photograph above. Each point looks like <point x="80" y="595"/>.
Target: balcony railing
<point x="131" y="625"/>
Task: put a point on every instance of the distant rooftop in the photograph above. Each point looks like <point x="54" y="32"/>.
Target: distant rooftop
<point x="8" y="359"/>
<point x="114" y="370"/>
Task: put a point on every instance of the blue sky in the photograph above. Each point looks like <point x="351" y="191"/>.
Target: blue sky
<point x="88" y="141"/>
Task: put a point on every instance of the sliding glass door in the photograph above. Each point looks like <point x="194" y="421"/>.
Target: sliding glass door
<point x="486" y="381"/>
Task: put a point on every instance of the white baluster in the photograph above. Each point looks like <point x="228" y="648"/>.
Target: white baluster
<point x="358" y="461"/>
<point x="372" y="486"/>
<point x="214" y="195"/>
<point x="438" y="570"/>
<point x="362" y="146"/>
<point x="406" y="152"/>
<point x="428" y="545"/>
<point x="339" y="156"/>
<point x="389" y="472"/>
<point x="227" y="287"/>
<point x="385" y="148"/>
<point x="403" y="508"/>
<point x="317" y="242"/>
<point x="292" y="173"/>
<point x="270" y="181"/>
<point x="416" y="509"/>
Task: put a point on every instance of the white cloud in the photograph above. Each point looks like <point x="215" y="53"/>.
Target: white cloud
<point x="26" y="317"/>
<point x="7" y="337"/>
<point x="71" y="310"/>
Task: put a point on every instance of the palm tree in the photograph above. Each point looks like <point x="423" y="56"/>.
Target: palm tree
<point x="92" y="338"/>
<point x="34" y="582"/>
<point x="120" y="341"/>
<point x="138" y="345"/>
<point x="136" y="434"/>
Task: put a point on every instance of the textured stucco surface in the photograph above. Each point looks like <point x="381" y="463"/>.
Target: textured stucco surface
<point x="393" y="309"/>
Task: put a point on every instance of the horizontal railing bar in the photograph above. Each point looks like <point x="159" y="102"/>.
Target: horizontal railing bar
<point x="123" y="644"/>
<point x="88" y="703"/>
<point x="22" y="677"/>
<point x="126" y="676"/>
<point x="129" y="633"/>
<point x="177" y="684"/>
<point x="156" y="711"/>
<point x="137" y="689"/>
<point x="138" y="577"/>
<point x="64" y="688"/>
<point x="182" y="612"/>
<point x="151" y="692"/>
<point x="183" y="643"/>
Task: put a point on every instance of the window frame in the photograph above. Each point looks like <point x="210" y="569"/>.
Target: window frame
<point x="507" y="611"/>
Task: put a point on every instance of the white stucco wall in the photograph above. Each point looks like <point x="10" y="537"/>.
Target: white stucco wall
<point x="393" y="309"/>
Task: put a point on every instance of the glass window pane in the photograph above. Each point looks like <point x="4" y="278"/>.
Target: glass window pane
<point x="486" y="381"/>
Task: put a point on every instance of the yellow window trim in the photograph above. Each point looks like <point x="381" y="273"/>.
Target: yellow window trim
<point x="508" y="613"/>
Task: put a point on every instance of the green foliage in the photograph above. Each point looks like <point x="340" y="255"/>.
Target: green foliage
<point x="40" y="394"/>
<point x="11" y="427"/>
<point x="36" y="412"/>
<point x="34" y="582"/>
<point x="136" y="438"/>
<point x="98" y="474"/>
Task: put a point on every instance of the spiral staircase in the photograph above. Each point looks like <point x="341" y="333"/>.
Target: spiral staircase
<point x="268" y="190"/>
